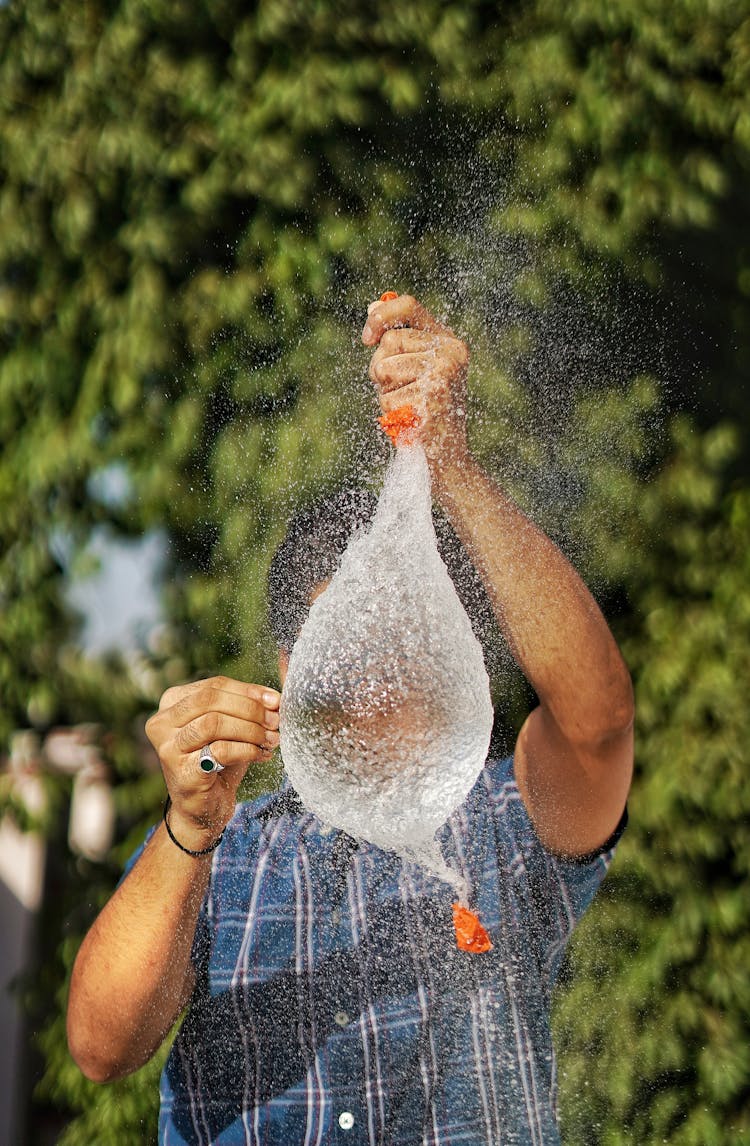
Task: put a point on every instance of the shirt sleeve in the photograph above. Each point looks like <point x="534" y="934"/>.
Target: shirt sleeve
<point x="555" y="890"/>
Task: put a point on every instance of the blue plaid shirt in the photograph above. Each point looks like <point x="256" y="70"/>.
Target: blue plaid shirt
<point x="332" y="1005"/>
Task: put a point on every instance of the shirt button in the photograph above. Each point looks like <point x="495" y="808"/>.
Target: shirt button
<point x="335" y="917"/>
<point x="346" y="1120"/>
<point x="341" y="1019"/>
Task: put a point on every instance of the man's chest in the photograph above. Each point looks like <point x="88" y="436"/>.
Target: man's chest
<point x="310" y="902"/>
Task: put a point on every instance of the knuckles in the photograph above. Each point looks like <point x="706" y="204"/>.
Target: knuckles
<point x="393" y="340"/>
<point x="152" y="728"/>
<point x="170" y="696"/>
<point x="449" y="360"/>
<point x="197" y="732"/>
<point x="207" y="696"/>
<point x="206" y="726"/>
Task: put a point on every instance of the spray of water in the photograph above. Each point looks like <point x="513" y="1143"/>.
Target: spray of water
<point x="386" y="712"/>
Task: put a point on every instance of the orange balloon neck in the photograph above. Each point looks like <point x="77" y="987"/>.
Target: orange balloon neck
<point x="399" y="425"/>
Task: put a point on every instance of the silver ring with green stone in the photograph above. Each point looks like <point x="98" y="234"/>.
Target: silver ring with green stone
<point x="208" y="762"/>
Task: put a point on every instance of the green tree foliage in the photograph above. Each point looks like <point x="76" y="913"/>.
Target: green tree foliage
<point x="655" y="1028"/>
<point x="198" y="201"/>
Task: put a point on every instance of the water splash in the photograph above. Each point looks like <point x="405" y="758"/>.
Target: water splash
<point x="386" y="712"/>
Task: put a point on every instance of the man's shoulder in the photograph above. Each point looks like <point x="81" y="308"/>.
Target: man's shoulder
<point x="493" y="800"/>
<point x="496" y="782"/>
<point x="252" y="816"/>
<point x="499" y="770"/>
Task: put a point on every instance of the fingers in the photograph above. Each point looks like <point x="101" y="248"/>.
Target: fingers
<point x="269" y="697"/>
<point x="418" y="361"/>
<point x="237" y="754"/>
<point x="241" y="719"/>
<point x="399" y="370"/>
<point x="213" y="726"/>
<point x="402" y="311"/>
<point x="209" y="698"/>
<point x="400" y="360"/>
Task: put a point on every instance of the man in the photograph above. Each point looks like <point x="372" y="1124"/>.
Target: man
<point x="327" y="1001"/>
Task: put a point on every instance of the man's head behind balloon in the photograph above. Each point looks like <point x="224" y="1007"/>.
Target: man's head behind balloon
<point x="309" y="555"/>
<point x="316" y="538"/>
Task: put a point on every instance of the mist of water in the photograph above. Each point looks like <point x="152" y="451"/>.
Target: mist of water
<point x="386" y="712"/>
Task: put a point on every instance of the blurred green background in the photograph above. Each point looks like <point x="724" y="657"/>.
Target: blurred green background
<point x="197" y="202"/>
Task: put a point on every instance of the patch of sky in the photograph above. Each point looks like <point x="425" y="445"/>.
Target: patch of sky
<point x="111" y="486"/>
<point x="120" y="600"/>
<point x="114" y="584"/>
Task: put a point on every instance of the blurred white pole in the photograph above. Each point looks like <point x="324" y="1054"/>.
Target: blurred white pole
<point x="91" y="826"/>
<point x="22" y="857"/>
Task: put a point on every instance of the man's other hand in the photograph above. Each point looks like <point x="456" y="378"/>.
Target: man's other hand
<point x="239" y="721"/>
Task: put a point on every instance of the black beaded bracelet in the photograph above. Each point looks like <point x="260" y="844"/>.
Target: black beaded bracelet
<point x="203" y="852"/>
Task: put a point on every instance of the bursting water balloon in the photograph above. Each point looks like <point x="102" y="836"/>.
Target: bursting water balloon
<point x="386" y="712"/>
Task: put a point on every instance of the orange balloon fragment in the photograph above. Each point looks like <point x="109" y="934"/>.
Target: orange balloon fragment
<point x="470" y="935"/>
<point x="397" y="424"/>
<point x="387" y="295"/>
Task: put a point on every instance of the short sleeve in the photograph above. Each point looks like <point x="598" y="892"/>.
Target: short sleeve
<point x="555" y="891"/>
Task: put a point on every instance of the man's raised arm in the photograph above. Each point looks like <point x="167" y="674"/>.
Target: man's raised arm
<point x="574" y="754"/>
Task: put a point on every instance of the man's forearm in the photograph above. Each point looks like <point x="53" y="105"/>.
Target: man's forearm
<point x="133" y="971"/>
<point x="574" y="754"/>
<point x="552" y="623"/>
